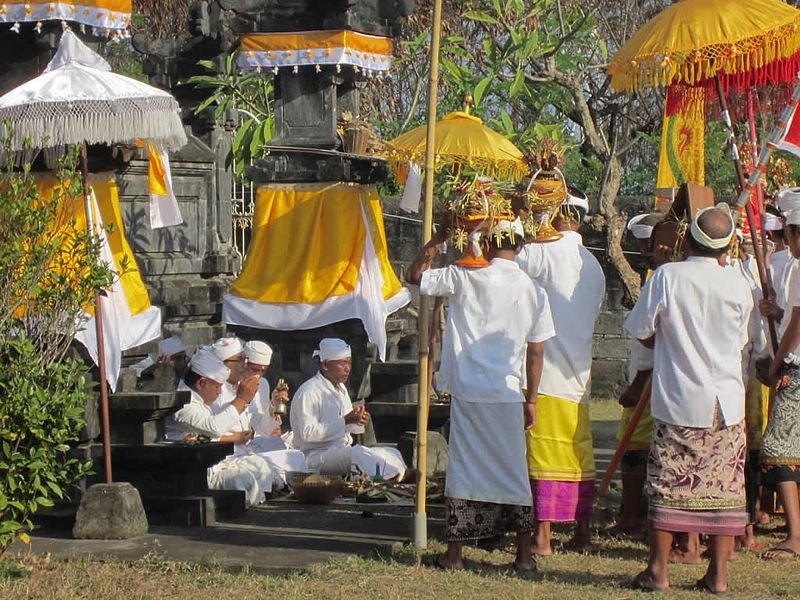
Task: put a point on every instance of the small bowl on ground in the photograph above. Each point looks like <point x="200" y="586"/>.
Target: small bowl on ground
<point x="313" y="488"/>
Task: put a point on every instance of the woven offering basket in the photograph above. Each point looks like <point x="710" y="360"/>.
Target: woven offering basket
<point x="312" y="488"/>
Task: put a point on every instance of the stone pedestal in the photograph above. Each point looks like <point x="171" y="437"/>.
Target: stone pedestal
<point x="110" y="512"/>
<point x="437" y="451"/>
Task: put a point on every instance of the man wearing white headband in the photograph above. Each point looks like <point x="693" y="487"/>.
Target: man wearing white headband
<point x="780" y="444"/>
<point x="696" y="315"/>
<point x="497" y="322"/>
<point x="560" y="455"/>
<point x="205" y="376"/>
<point x="323" y="419"/>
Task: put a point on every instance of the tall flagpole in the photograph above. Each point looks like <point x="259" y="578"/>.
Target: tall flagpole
<point x="420" y="522"/>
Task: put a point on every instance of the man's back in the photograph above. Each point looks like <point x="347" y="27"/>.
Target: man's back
<point x="493" y="313"/>
<point x="575" y="285"/>
<point x="699" y="312"/>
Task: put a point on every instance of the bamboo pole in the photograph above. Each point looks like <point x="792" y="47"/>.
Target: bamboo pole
<point x="420" y="520"/>
<point x="98" y="323"/>
<point x="758" y="250"/>
<point x="762" y="209"/>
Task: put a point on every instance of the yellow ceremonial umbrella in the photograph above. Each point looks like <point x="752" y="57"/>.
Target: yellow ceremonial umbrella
<point x="462" y="139"/>
<point x="741" y="42"/>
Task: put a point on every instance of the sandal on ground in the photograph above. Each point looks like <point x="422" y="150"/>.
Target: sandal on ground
<point x="788" y="553"/>
<point x="639" y="584"/>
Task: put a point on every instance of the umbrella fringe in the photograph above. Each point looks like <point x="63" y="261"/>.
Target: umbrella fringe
<point x="95" y="128"/>
<point x="504" y="170"/>
<point x="772" y="57"/>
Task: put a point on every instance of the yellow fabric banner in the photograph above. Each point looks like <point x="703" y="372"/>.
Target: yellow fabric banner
<point x="308" y="243"/>
<point x="107" y="194"/>
<point x="682" y="158"/>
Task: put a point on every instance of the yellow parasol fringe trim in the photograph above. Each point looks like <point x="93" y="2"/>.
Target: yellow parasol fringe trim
<point x="736" y="57"/>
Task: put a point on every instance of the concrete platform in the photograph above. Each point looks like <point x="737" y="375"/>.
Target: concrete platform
<point x="279" y="537"/>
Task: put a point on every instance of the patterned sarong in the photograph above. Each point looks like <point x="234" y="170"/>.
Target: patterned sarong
<point x="470" y="520"/>
<point x="780" y="444"/>
<point x="696" y="478"/>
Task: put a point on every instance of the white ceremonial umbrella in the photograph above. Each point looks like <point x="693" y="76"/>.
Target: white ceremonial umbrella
<point x="78" y="100"/>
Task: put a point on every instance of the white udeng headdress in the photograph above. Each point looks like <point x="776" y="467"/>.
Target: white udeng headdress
<point x="701" y="237"/>
<point x="640" y="230"/>
<point x="225" y="348"/>
<point x="332" y="349"/>
<point x="171" y="345"/>
<point x="258" y="353"/>
<point x="205" y="363"/>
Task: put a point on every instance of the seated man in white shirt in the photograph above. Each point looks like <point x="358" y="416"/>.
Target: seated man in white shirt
<point x="205" y="377"/>
<point x="322" y="419"/>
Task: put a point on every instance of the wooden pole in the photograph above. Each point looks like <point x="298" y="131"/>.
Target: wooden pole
<point x="622" y="447"/>
<point x="98" y="323"/>
<point x="758" y="249"/>
<point x="420" y="522"/>
<point x="762" y="209"/>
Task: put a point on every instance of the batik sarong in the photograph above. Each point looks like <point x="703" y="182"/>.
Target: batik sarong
<point x="780" y="444"/>
<point x="472" y="520"/>
<point x="696" y="478"/>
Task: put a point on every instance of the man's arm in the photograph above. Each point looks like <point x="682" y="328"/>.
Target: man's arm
<point x="534" y="360"/>
<point x="197" y="419"/>
<point x="424" y="259"/>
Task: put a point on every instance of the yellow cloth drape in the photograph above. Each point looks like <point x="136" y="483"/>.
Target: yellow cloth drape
<point x="156" y="173"/>
<point x="309" y="41"/>
<point x="756" y="405"/>
<point x="107" y="194"/>
<point x="682" y="158"/>
<point x="560" y="444"/>
<point x="308" y="243"/>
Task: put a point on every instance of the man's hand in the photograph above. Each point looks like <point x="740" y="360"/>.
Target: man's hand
<point x="530" y="415"/>
<point x="248" y="388"/>
<point x="357" y="416"/>
<point x="238" y="437"/>
<point x="769" y="308"/>
<point x="629" y="398"/>
<point x="277" y="396"/>
<point x="775" y="379"/>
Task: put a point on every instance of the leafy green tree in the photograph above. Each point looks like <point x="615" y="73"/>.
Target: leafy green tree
<point x="50" y="272"/>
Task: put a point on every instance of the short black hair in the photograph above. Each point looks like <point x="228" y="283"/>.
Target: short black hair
<point x="191" y="378"/>
<point x="774" y="211"/>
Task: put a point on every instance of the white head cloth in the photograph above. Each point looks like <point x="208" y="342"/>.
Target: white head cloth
<point x="505" y="225"/>
<point x="639" y="230"/>
<point x="226" y="347"/>
<point x="788" y="199"/>
<point x="579" y="201"/>
<point x="205" y="363"/>
<point x="700" y="236"/>
<point x="772" y="223"/>
<point x="793" y="217"/>
<point x="171" y="345"/>
<point x="332" y="349"/>
<point x="258" y="353"/>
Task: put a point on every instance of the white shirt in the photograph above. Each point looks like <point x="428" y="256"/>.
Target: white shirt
<point x="758" y="328"/>
<point x="778" y="260"/>
<point x="699" y="312"/>
<point x="261" y="420"/>
<point x="197" y="417"/>
<point x="494" y="312"/>
<point x="575" y="285"/>
<point x="317" y="415"/>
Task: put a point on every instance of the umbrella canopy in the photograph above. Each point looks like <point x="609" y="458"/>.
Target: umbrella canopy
<point x="463" y="139"/>
<point x="745" y="42"/>
<point x="79" y="100"/>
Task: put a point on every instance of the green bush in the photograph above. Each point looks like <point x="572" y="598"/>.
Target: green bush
<point x="50" y="272"/>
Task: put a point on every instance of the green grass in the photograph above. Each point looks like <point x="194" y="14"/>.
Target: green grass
<point x="397" y="573"/>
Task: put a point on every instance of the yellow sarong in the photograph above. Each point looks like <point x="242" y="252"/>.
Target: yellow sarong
<point x="756" y="407"/>
<point x="642" y="434"/>
<point x="560" y="444"/>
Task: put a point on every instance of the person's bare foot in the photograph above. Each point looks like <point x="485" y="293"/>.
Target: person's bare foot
<point x="787" y="550"/>
<point x="712" y="584"/>
<point x="763" y="518"/>
<point x="524" y="564"/>
<point x="580" y="546"/>
<point x="445" y="563"/>
<point x="542" y="550"/>
<point x="683" y="557"/>
<point x="648" y="582"/>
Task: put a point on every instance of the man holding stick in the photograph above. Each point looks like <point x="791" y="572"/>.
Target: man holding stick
<point x="696" y="315"/>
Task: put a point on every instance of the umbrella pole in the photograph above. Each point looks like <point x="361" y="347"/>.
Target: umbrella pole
<point x="758" y="250"/>
<point x="98" y="322"/>
<point x="420" y="523"/>
<point x="762" y="212"/>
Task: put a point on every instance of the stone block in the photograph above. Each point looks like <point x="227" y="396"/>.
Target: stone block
<point x="110" y="512"/>
<point x="437" y="451"/>
<point x="610" y="323"/>
<point x="615" y="347"/>
<point x="609" y="377"/>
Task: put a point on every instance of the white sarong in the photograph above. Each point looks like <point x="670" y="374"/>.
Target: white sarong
<point x="487" y="453"/>
<point x="342" y="460"/>
<point x="250" y="474"/>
